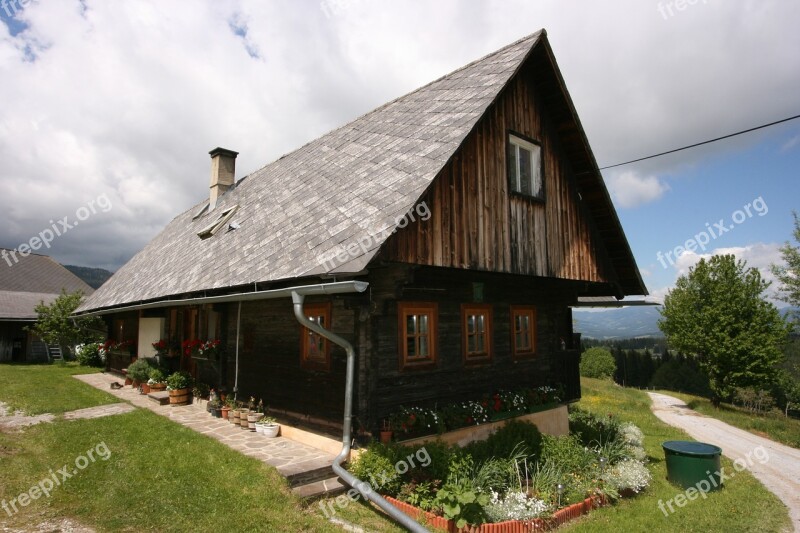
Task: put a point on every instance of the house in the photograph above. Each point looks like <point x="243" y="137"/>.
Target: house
<point x="472" y="213"/>
<point x="26" y="281"/>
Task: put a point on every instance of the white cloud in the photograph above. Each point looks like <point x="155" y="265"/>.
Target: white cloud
<point x="126" y="98"/>
<point x="629" y="189"/>
<point x="757" y="255"/>
<point x="791" y="144"/>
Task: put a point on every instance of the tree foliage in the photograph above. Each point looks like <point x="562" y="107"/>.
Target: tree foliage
<point x="55" y="325"/>
<point x="789" y="274"/>
<point x="598" y="363"/>
<point x="718" y="314"/>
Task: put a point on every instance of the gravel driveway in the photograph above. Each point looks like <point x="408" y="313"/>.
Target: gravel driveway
<point x="780" y="473"/>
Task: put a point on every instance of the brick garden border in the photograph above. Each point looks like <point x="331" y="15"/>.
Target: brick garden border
<point x="560" y="517"/>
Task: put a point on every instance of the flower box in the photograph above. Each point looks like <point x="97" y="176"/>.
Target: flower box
<point x="504" y="415"/>
<point x="542" y="407"/>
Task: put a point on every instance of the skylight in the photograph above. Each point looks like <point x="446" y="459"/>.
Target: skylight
<point x="219" y="223"/>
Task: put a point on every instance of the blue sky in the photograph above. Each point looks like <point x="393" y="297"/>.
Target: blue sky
<point x="122" y="101"/>
<point x="760" y="166"/>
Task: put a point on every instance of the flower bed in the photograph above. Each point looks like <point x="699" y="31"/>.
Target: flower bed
<point x="515" y="480"/>
<point x="559" y="518"/>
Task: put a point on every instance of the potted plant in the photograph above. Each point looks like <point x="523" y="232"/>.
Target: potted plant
<point x="161" y="347"/>
<point x="179" y="386"/>
<point x="215" y="408"/>
<point x="139" y="372"/>
<point x="157" y="381"/>
<point x="268" y="426"/>
<point x="228" y="405"/>
<point x="386" y="432"/>
<point x="255" y="413"/>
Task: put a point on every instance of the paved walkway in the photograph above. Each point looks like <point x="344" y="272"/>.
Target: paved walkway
<point x="780" y="473"/>
<point x="288" y="456"/>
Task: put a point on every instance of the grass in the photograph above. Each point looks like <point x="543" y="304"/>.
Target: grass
<point x="773" y="426"/>
<point x="742" y="505"/>
<point x="37" y="389"/>
<point x="159" y="476"/>
<point x="163" y="476"/>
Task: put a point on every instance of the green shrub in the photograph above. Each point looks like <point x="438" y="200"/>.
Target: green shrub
<point x="568" y="454"/>
<point x="503" y="443"/>
<point x="180" y="380"/>
<point x="592" y="428"/>
<point x="139" y="370"/>
<point x="374" y="467"/>
<point x="89" y="355"/>
<point x="598" y="363"/>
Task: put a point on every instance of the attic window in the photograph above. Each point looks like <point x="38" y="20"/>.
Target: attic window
<point x="219" y="223"/>
<point x="525" y="167"/>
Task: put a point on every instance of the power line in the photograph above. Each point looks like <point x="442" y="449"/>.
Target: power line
<point x="702" y="143"/>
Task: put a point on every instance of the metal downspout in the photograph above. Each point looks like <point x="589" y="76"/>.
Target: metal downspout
<point x="362" y="487"/>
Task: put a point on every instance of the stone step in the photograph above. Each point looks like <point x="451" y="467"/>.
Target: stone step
<point x="306" y="472"/>
<point x="319" y="489"/>
<point x="160" y="397"/>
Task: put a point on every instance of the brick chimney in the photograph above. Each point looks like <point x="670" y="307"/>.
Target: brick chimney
<point x="223" y="170"/>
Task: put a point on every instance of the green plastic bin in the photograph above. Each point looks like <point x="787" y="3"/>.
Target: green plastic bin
<point x="693" y="464"/>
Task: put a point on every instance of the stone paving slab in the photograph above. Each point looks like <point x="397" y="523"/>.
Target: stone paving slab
<point x="100" y="411"/>
<point x="286" y="455"/>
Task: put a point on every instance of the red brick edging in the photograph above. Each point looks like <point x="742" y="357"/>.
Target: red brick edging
<point x="560" y="517"/>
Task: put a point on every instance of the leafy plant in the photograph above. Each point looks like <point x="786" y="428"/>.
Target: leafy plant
<point x="505" y="440"/>
<point x="180" y="380"/>
<point x="267" y="421"/>
<point x="376" y="469"/>
<point x="420" y="494"/>
<point x="628" y="475"/>
<point x="591" y="427"/>
<point x="56" y="325"/>
<point x="462" y="503"/>
<point x="90" y="355"/>
<point x="567" y="453"/>
<point x="139" y="370"/>
<point x="156" y="376"/>
<point x="200" y="390"/>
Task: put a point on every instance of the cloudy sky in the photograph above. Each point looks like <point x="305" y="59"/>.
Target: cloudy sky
<point x="109" y="109"/>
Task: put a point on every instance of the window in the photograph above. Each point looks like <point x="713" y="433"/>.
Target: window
<point x="417" y="334"/>
<point x="525" y="167"/>
<point x="476" y="328"/>
<point x="315" y="350"/>
<point x="218" y="224"/>
<point x="523" y="331"/>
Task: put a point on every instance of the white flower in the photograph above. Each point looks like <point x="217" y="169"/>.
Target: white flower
<point x="514" y="505"/>
<point x="631" y="434"/>
<point x="629" y="474"/>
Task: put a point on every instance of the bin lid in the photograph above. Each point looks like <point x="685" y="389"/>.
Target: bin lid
<point x="691" y="448"/>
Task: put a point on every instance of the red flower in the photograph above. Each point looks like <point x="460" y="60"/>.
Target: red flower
<point x="470" y="420"/>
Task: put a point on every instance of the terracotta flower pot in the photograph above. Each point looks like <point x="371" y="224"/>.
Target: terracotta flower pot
<point x="386" y="437"/>
<point x="225" y="411"/>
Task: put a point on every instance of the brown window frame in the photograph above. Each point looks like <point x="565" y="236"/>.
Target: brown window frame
<point x="484" y="356"/>
<point x="404" y="309"/>
<point x="530" y="311"/>
<point x="307" y="361"/>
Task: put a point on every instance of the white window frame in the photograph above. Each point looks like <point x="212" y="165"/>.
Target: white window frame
<point x="219" y="223"/>
<point x="536" y="167"/>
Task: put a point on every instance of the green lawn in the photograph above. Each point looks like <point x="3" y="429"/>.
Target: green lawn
<point x="159" y="476"/>
<point x="162" y="476"/>
<point x="773" y="426"/>
<point x="38" y="389"/>
<point x="743" y="505"/>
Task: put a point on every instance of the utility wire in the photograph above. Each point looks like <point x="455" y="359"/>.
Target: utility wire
<point x="702" y="143"/>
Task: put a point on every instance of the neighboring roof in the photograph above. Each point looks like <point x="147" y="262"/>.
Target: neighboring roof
<point x="353" y="182"/>
<point x="21" y="305"/>
<point x="30" y="280"/>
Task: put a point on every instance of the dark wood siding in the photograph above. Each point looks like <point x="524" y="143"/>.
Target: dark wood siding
<point x="475" y="222"/>
<point x="269" y="359"/>
<point x="388" y="387"/>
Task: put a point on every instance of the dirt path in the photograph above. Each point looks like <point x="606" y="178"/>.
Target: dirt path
<point x="780" y="472"/>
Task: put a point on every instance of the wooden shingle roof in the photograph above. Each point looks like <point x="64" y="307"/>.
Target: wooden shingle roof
<point x="294" y="213"/>
<point x="30" y="280"/>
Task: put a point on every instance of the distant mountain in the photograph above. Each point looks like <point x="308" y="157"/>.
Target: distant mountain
<point x="623" y="323"/>
<point x="94" y="277"/>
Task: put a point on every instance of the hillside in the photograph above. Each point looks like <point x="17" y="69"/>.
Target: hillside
<point x="94" y="277"/>
<point x="621" y="323"/>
